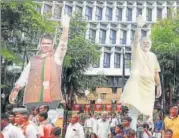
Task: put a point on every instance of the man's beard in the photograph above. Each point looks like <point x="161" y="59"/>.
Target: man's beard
<point x="145" y="49"/>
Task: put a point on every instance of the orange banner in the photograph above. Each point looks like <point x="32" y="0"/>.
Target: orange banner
<point x="76" y="107"/>
<point x="118" y="107"/>
<point x="87" y="107"/>
<point x="98" y="107"/>
<point x="108" y="107"/>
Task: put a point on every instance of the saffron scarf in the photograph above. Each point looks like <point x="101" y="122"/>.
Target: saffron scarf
<point x="45" y="77"/>
<point x="24" y="127"/>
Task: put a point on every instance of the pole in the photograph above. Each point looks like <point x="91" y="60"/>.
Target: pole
<point x="171" y="96"/>
<point x="163" y="105"/>
<point x="123" y="67"/>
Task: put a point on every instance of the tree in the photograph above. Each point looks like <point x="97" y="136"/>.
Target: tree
<point x="165" y="40"/>
<point x="81" y="54"/>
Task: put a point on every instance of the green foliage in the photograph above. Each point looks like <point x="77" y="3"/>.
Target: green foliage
<point x="165" y="40"/>
<point x="165" y="36"/>
<point x="22" y="18"/>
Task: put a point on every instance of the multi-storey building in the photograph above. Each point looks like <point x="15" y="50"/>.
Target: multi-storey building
<point x="112" y="24"/>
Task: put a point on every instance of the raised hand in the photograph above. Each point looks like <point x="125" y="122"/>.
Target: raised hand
<point x="65" y="21"/>
<point x="13" y="94"/>
<point x="140" y="21"/>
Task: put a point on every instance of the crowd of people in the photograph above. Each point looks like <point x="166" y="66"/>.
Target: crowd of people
<point x="19" y="123"/>
<point x="116" y="126"/>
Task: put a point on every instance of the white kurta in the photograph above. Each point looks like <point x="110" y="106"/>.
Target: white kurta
<point x="114" y="122"/>
<point x="94" y="125"/>
<point x="31" y="131"/>
<point x="139" y="90"/>
<point x="103" y="128"/>
<point x="11" y="131"/>
<point x="91" y="123"/>
<point x="75" y="131"/>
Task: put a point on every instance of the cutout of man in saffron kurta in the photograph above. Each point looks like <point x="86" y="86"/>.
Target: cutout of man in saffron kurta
<point x="139" y="91"/>
<point x="42" y="75"/>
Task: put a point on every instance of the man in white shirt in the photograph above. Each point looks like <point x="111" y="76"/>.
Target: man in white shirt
<point x="88" y="124"/>
<point x="52" y="114"/>
<point x="22" y="119"/>
<point x="8" y="130"/>
<point x="113" y="123"/>
<point x="103" y="126"/>
<point x="94" y="120"/>
<point x="75" y="129"/>
<point x="150" y="122"/>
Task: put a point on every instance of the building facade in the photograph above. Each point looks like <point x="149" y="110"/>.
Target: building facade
<point x="112" y="24"/>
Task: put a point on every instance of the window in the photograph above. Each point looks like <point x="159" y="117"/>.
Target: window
<point x="108" y="13"/>
<point x="100" y="2"/>
<point x="169" y="12"/>
<point x="114" y="81"/>
<point x="117" y="60"/>
<point x="144" y="33"/>
<point x="169" y="3"/>
<point x="103" y="25"/>
<point x="112" y="37"/>
<point x="110" y="81"/>
<point x="159" y="13"/>
<point x="57" y="12"/>
<point x="139" y="11"/>
<point x="68" y="9"/>
<point x="89" y="13"/>
<point x="48" y="10"/>
<point x="89" y="2"/>
<point x="99" y="13"/>
<point x="106" y="62"/>
<point x="129" y="3"/>
<point x="124" y="36"/>
<point x="79" y="9"/>
<point x="132" y="35"/>
<point x="149" y="14"/>
<point x="129" y="14"/>
<point x="127" y="60"/>
<point x="92" y="35"/>
<point x="149" y="3"/>
<point x="119" y="14"/>
<point x="138" y="3"/>
<point x="103" y="96"/>
<point x="102" y="36"/>
<point x="92" y="25"/>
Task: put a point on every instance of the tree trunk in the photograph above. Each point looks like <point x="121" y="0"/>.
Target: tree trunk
<point x="171" y="96"/>
<point x="70" y="95"/>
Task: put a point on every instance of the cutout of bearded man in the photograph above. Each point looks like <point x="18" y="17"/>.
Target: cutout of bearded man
<point x="42" y="75"/>
<point x="139" y="91"/>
